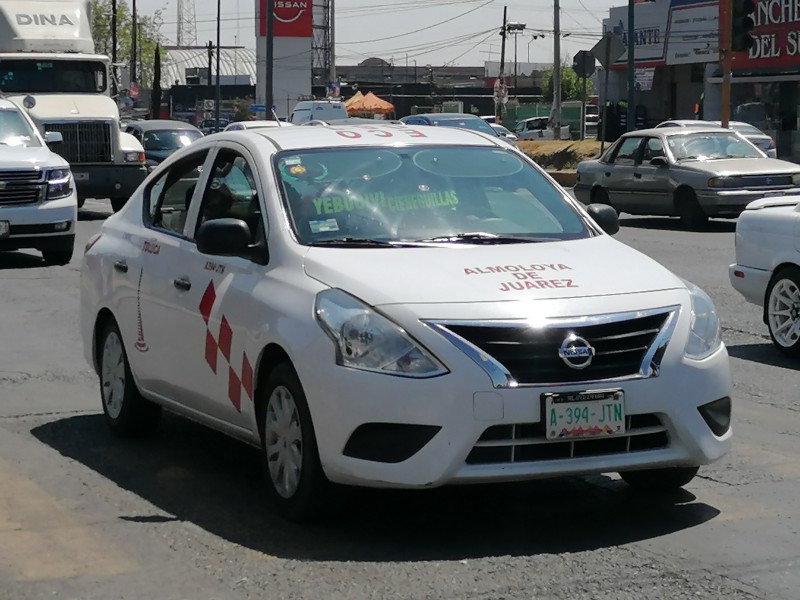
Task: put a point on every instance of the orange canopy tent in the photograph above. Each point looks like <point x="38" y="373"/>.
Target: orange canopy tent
<point x="354" y="98"/>
<point x="370" y="103"/>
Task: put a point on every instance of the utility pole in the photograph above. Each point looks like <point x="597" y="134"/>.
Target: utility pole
<point x="331" y="41"/>
<point x="114" y="32"/>
<point x="134" y="32"/>
<point x="499" y="84"/>
<point x="210" y="69"/>
<point x="270" y="16"/>
<point x="219" y="51"/>
<point x="632" y="65"/>
<point x="726" y="57"/>
<point x="557" y="70"/>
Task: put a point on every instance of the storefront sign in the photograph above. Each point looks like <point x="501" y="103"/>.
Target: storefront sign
<point x="292" y="18"/>
<point x="777" y="38"/>
<point x="644" y="78"/>
<point x="693" y="33"/>
<point x="649" y="35"/>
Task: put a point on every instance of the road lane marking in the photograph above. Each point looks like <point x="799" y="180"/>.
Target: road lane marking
<point x="40" y="539"/>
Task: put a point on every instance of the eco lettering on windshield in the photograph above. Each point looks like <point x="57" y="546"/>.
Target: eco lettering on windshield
<point x="527" y="277"/>
<point x="331" y="205"/>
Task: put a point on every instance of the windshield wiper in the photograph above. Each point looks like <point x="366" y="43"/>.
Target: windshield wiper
<point x="354" y="242"/>
<point x="480" y="237"/>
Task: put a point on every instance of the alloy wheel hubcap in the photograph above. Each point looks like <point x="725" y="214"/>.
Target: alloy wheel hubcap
<point x="283" y="441"/>
<point x="784" y="313"/>
<point x="113" y="375"/>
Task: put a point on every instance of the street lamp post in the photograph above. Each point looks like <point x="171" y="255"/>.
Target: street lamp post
<point x="219" y="51"/>
<point x="515" y="28"/>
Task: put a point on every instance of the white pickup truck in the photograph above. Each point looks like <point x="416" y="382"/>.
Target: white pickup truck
<point x="538" y="128"/>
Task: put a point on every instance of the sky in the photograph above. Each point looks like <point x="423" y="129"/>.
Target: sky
<point x="430" y="32"/>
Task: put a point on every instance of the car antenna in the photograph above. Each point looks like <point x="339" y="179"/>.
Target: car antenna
<point x="275" y="116"/>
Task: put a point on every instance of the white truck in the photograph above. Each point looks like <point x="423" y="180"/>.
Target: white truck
<point x="48" y="64"/>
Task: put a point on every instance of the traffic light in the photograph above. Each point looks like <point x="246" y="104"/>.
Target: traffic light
<point x="742" y="25"/>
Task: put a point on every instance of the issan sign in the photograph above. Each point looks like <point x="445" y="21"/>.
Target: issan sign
<point x="44" y="19"/>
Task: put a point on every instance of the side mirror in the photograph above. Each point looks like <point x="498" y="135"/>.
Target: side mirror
<point x="605" y="216"/>
<point x="659" y="161"/>
<point x="52" y="138"/>
<point x="224" y="237"/>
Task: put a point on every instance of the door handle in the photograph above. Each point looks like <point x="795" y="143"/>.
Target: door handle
<point x="608" y="173"/>
<point x="182" y="284"/>
<point x="121" y="266"/>
<point x="637" y="175"/>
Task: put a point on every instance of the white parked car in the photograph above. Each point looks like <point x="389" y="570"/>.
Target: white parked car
<point x="38" y="202"/>
<point x="398" y="306"/>
<point x="767" y="268"/>
<point x="750" y="132"/>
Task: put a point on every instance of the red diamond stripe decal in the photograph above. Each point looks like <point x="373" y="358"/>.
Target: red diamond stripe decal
<point x="211" y="351"/>
<point x="247" y="376"/>
<point x="207" y="303"/>
<point x="225" y="339"/>
<point x="234" y="389"/>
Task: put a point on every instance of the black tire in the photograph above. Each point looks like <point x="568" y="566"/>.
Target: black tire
<point x="81" y="202"/>
<point x="689" y="210"/>
<point x="659" y="480"/>
<point x="306" y="498"/>
<point x="118" y="203"/>
<point x="600" y="196"/>
<point x="785" y="283"/>
<point x="126" y="412"/>
<point x="57" y="257"/>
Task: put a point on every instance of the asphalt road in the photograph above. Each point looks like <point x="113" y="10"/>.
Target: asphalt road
<point x="182" y="516"/>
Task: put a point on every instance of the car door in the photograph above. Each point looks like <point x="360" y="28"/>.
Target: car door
<point x="163" y="280"/>
<point x="617" y="178"/>
<point x="651" y="184"/>
<point x="220" y="311"/>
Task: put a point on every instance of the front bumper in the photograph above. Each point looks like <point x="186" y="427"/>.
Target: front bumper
<point x="108" y="181"/>
<point x="731" y="203"/>
<point x="35" y="225"/>
<point x="750" y="283"/>
<point x="452" y="415"/>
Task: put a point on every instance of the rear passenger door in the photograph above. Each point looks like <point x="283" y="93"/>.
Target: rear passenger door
<point x="618" y="175"/>
<point x="652" y="188"/>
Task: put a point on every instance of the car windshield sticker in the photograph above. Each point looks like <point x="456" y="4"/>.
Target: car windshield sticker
<point x="331" y="205"/>
<point x="526" y="277"/>
<point x="324" y="226"/>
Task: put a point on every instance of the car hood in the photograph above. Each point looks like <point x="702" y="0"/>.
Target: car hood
<point x="50" y="107"/>
<point x="742" y="166"/>
<point x="157" y="155"/>
<point x="19" y="157"/>
<point x="598" y="266"/>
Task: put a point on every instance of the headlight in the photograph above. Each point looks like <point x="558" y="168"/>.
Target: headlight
<point x="722" y="182"/>
<point x="369" y="341"/>
<point x="796" y="179"/>
<point x="704" y="337"/>
<point x="133" y="157"/>
<point x="59" y="184"/>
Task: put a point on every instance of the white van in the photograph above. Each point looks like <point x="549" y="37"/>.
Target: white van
<point x="318" y="110"/>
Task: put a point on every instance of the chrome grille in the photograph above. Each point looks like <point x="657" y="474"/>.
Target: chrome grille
<point x="21" y="187"/>
<point x="84" y="141"/>
<point x="515" y="353"/>
<point x="527" y="442"/>
<point x="763" y="181"/>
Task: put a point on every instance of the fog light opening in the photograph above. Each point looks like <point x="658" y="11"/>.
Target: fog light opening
<point x="717" y="415"/>
<point x="63" y="226"/>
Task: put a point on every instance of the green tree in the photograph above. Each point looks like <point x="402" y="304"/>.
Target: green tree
<point x="571" y="85"/>
<point x="147" y="40"/>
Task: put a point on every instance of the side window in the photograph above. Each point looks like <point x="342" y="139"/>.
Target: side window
<point x="626" y="151"/>
<point x="168" y="198"/>
<point x="231" y="192"/>
<point x="652" y="148"/>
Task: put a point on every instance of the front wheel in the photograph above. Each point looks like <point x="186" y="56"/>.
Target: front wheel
<point x="57" y="257"/>
<point x="296" y="483"/>
<point x="689" y="210"/>
<point x="783" y="310"/>
<point x="126" y="412"/>
<point x="659" y="480"/>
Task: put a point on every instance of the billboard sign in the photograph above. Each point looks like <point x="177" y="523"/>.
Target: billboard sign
<point x="292" y="18"/>
<point x="777" y="39"/>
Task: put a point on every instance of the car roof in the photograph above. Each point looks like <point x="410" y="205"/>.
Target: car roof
<point x="161" y="124"/>
<point x="446" y="116"/>
<point x="303" y="138"/>
<point x="670" y="131"/>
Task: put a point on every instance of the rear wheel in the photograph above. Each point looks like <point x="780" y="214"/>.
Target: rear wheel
<point x="126" y="412"/>
<point x="118" y="203"/>
<point x="81" y="202"/>
<point x="689" y="210"/>
<point x="659" y="480"/>
<point x="57" y="257"/>
<point x="600" y="196"/>
<point x="296" y="483"/>
<point x="783" y="310"/>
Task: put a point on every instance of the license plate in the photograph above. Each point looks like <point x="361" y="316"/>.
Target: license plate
<point x="80" y="176"/>
<point x="5" y="229"/>
<point x="586" y="414"/>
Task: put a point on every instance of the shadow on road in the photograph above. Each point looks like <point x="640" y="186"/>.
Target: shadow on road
<point x="673" y="224"/>
<point x="765" y="353"/>
<point x="199" y="476"/>
<point x="20" y="260"/>
<point x="92" y="215"/>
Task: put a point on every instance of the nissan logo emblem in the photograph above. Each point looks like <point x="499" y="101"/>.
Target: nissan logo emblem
<point x="576" y="352"/>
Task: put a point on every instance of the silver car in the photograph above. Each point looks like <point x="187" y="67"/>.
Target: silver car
<point x="690" y="173"/>
<point x="750" y="132"/>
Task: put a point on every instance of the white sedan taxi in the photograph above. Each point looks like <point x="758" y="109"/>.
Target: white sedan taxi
<point x="398" y="306"/>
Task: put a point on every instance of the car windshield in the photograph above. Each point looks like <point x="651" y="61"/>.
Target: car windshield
<point x="27" y="76"/>
<point x="15" y="130"/>
<point x="473" y="124"/>
<point x="746" y="129"/>
<point x="711" y="146"/>
<point x="169" y="139"/>
<point x="422" y="195"/>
